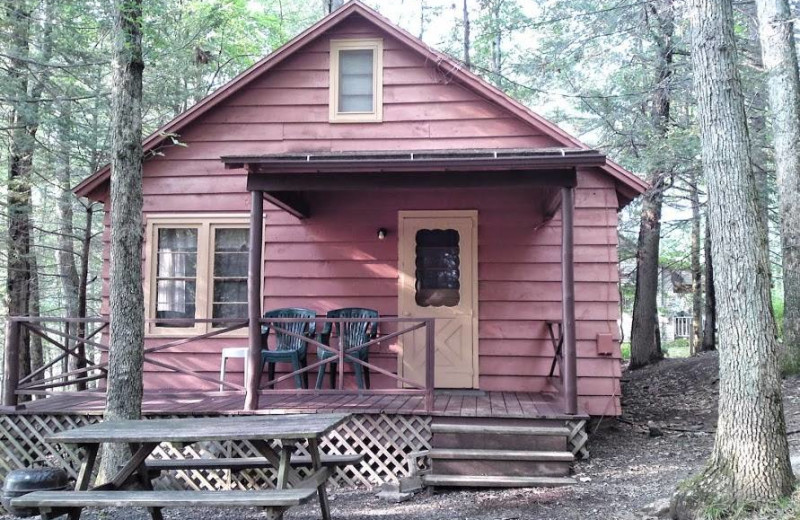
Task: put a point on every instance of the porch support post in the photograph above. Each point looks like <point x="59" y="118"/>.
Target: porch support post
<point x="11" y="367"/>
<point x="569" y="375"/>
<point x="254" y="282"/>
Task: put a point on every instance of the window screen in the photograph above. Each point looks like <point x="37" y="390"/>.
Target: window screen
<point x="230" y="273"/>
<point x="176" y="275"/>
<point x="356" y="80"/>
<point x="438" y="268"/>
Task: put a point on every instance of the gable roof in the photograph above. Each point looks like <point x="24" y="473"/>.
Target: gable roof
<point x="627" y="183"/>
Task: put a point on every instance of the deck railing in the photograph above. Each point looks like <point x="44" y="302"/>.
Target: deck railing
<point x="77" y="356"/>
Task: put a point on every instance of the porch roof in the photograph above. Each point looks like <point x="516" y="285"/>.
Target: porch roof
<point x="418" y="161"/>
<point x="284" y="178"/>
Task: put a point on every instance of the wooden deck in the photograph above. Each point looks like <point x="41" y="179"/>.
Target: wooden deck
<point x="447" y="404"/>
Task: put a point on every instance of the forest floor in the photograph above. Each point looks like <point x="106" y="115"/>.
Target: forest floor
<point x="665" y="435"/>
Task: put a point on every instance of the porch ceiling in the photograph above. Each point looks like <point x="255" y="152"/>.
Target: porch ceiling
<point x="284" y="178"/>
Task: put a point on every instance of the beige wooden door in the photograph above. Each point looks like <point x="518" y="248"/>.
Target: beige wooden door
<point x="438" y="279"/>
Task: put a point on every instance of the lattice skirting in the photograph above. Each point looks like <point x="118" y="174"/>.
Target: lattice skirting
<point x="385" y="441"/>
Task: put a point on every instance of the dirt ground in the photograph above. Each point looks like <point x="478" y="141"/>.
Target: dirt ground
<point x="665" y="435"/>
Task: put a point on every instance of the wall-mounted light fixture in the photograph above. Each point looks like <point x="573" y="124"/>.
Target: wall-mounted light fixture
<point x="382" y="232"/>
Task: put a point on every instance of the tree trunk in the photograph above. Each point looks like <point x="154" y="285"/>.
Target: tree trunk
<point x="422" y="9"/>
<point x="467" y="60"/>
<point x="776" y="32"/>
<point x="36" y="350"/>
<point x="757" y="117"/>
<point x="710" y="305"/>
<point x="18" y="196"/>
<point x="332" y="5"/>
<point x="750" y="460"/>
<point x="697" y="286"/>
<point x="497" y="42"/>
<point x="126" y="301"/>
<point x="65" y="254"/>
<point x="26" y="92"/>
<point x="645" y="336"/>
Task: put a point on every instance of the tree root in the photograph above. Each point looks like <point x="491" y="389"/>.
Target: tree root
<point x="711" y="495"/>
<point x="706" y="496"/>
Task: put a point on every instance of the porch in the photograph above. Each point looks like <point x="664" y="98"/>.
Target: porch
<point x="301" y="184"/>
<point x="72" y="379"/>
<point x="296" y="183"/>
<point x="528" y="328"/>
<point x="499" y="405"/>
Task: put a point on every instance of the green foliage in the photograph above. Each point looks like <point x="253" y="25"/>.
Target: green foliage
<point x="677" y="348"/>
<point x="625" y="349"/>
<point x="777" y="310"/>
<point x="787" y="508"/>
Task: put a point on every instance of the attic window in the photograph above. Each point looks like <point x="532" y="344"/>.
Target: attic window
<point x="356" y="81"/>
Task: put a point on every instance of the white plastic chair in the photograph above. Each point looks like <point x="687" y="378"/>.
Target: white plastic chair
<point x="232" y="352"/>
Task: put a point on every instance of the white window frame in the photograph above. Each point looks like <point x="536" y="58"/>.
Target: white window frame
<point x="374" y="116"/>
<point x="205" y="224"/>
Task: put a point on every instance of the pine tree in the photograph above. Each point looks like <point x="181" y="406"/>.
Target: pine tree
<point x="750" y="460"/>
<point x="126" y="298"/>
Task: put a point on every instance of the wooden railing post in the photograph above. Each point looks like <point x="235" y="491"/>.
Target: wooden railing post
<point x="11" y="363"/>
<point x="569" y="375"/>
<point x="430" y="362"/>
<point x="340" y="386"/>
<point x="254" y="282"/>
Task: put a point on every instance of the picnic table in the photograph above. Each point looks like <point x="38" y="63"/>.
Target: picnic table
<point x="132" y="486"/>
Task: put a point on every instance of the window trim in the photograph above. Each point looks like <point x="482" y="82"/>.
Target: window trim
<point x="376" y="115"/>
<point x="205" y="224"/>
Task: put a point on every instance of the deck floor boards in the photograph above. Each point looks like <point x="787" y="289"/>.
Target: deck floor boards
<point x="468" y="405"/>
<point x="483" y="407"/>
<point x="446" y="403"/>
<point x="512" y="404"/>
<point x="454" y="406"/>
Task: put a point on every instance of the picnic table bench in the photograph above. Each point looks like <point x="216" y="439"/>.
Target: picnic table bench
<point x="145" y="435"/>
<point x="245" y="463"/>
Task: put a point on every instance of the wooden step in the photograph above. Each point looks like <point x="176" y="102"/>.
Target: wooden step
<point x="512" y="455"/>
<point x="260" y="498"/>
<point x="499" y="421"/>
<point x="494" y="481"/>
<point x="556" y="431"/>
<point x="506" y="463"/>
<point x="467" y="435"/>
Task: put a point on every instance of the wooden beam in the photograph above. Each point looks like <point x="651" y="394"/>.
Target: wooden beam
<point x="430" y="363"/>
<point x="569" y="376"/>
<point x="254" y="281"/>
<point x="291" y="202"/>
<point x="337" y="181"/>
<point x="552" y="202"/>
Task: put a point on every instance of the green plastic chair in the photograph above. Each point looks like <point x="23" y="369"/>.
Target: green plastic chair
<point x="350" y="335"/>
<point x="288" y="348"/>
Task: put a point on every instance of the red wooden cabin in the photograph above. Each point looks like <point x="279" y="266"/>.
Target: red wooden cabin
<point x="355" y="157"/>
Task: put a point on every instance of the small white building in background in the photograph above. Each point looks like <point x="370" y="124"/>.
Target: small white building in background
<point x="674" y="306"/>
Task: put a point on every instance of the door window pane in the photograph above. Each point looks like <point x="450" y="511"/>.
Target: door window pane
<point x="176" y="275"/>
<point x="356" y="80"/>
<point x="437" y="268"/>
<point x="229" y="291"/>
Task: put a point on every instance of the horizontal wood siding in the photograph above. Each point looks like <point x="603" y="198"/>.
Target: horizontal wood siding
<point x="334" y="258"/>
